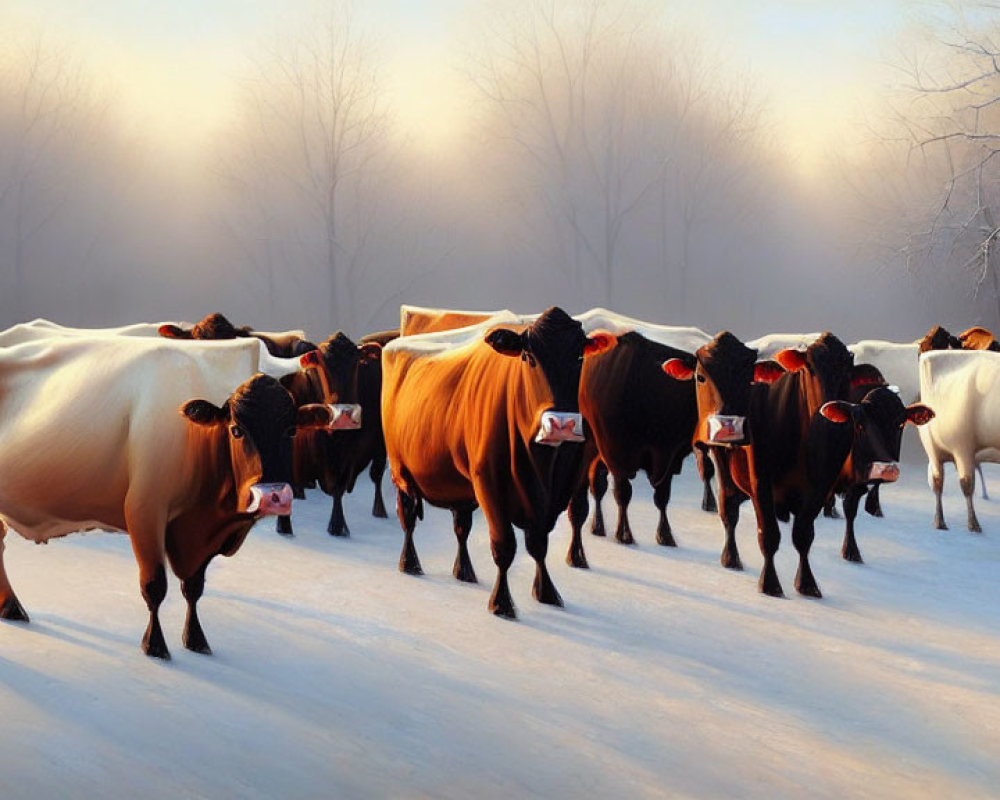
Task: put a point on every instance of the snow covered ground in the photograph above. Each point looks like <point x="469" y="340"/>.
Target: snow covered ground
<point x="336" y="676"/>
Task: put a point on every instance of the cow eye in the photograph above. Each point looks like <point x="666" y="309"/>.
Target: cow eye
<point x="291" y="431"/>
<point x="236" y="431"/>
<point x="700" y="378"/>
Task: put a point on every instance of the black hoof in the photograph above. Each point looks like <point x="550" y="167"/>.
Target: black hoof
<point x="811" y="590"/>
<point x="338" y="530"/>
<point x="770" y="585"/>
<point x="974" y="528"/>
<point x="547" y="595"/>
<point x="852" y="554"/>
<point x="378" y="509"/>
<point x="410" y="567"/>
<point x="284" y="526"/>
<point x="155" y="649"/>
<point x="198" y="647"/>
<point x="13" y="611"/>
<point x="624" y="537"/>
<point x="578" y="559"/>
<point x="731" y="561"/>
<point x="665" y="538"/>
<point x="464" y="572"/>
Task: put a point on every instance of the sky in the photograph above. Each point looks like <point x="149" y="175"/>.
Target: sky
<point x="177" y="64"/>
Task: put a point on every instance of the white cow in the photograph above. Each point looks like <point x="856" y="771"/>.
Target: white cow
<point x="962" y="387"/>
<point x="897" y="361"/>
<point x="37" y="329"/>
<point x="769" y="345"/>
<point x="148" y="437"/>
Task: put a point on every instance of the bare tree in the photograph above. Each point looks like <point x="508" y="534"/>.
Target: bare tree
<point x="314" y="143"/>
<point x="48" y="119"/>
<point x="609" y="124"/>
<point x="950" y="118"/>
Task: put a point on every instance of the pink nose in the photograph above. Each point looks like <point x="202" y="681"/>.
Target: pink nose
<point x="346" y="417"/>
<point x="270" y="498"/>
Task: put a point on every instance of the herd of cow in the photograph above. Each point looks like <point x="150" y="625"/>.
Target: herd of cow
<point x="184" y="445"/>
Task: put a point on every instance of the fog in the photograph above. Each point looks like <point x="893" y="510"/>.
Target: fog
<point x="579" y="154"/>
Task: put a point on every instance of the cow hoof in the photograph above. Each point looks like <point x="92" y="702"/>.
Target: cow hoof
<point x="770" y="585"/>
<point x="710" y="507"/>
<point x="339" y="530"/>
<point x="624" y="538"/>
<point x="378" y="509"/>
<point x="731" y="561"/>
<point x="854" y="556"/>
<point x="202" y="648"/>
<point x="547" y="595"/>
<point x="156" y="650"/>
<point x="940" y="525"/>
<point x="577" y="559"/>
<point x="598" y="531"/>
<point x="411" y="568"/>
<point x="13" y="611"/>
<point x="284" y="526"/>
<point x="464" y="573"/>
<point x="809" y="591"/>
<point x="665" y="538"/>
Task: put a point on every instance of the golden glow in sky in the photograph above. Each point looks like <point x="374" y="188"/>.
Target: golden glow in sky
<point x="177" y="65"/>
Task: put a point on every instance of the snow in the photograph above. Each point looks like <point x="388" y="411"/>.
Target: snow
<point x="334" y="675"/>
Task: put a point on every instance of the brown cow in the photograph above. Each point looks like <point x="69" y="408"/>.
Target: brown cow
<point x="415" y="319"/>
<point x="284" y="344"/>
<point x="104" y="433"/>
<point x="492" y="423"/>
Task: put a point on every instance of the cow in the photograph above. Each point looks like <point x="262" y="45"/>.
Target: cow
<point x="771" y="344"/>
<point x="938" y="338"/>
<point x="776" y="439"/>
<point x="348" y="378"/>
<point x="284" y="344"/>
<point x="640" y="419"/>
<point x="492" y="423"/>
<point x="961" y="388"/>
<point x="878" y="416"/>
<point x="418" y="319"/>
<point x="172" y="445"/>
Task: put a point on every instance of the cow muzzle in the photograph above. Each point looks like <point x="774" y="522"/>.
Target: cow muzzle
<point x="726" y="429"/>
<point x="346" y="417"/>
<point x="886" y="471"/>
<point x="557" y="427"/>
<point x="270" y="498"/>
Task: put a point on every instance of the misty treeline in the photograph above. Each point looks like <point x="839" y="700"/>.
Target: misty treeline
<point x="610" y="160"/>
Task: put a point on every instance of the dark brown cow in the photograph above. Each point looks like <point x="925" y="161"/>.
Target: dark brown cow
<point x="640" y="419"/>
<point x="348" y="378"/>
<point x="215" y="326"/>
<point x="185" y="478"/>
<point x="492" y="423"/>
<point x="938" y="338"/>
<point x="771" y="444"/>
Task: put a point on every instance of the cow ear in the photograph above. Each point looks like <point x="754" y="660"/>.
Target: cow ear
<point x="678" y="369"/>
<point x="505" y="342"/>
<point x="919" y="414"/>
<point x="201" y="412"/>
<point x="310" y="359"/>
<point x="866" y="375"/>
<point x="791" y="359"/>
<point x="837" y="411"/>
<point x="767" y="371"/>
<point x="599" y="342"/>
<point x="173" y="332"/>
<point x="313" y="415"/>
<point x="371" y="351"/>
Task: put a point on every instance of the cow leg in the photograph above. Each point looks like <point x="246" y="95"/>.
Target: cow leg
<point x="337" y="526"/>
<point x="623" y="496"/>
<point x="873" y="502"/>
<point x="10" y="607"/>
<point x="192" y="589"/>
<point x="375" y="472"/>
<point x="935" y="477"/>
<point x="406" y="510"/>
<point x="462" y="518"/>
<point x="729" y="511"/>
<point x="707" y="471"/>
<point x="803" y="533"/>
<point x="982" y="482"/>
<point x="283" y="524"/>
<point x="967" y="482"/>
<point x="850" y="550"/>
<point x="599" y="486"/>
<point x="503" y="546"/>
<point x="577" y="513"/>
<point x="298" y="493"/>
<point x="830" y="508"/>
<point x="147" y="536"/>
<point x="661" y="496"/>
<point x="542" y="589"/>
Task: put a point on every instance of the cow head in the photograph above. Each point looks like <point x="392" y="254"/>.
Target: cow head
<point x="556" y="345"/>
<point x="723" y="371"/>
<point x="878" y="422"/>
<point x="214" y="326"/>
<point x="257" y="423"/>
<point x="937" y="338"/>
<point x="349" y="376"/>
